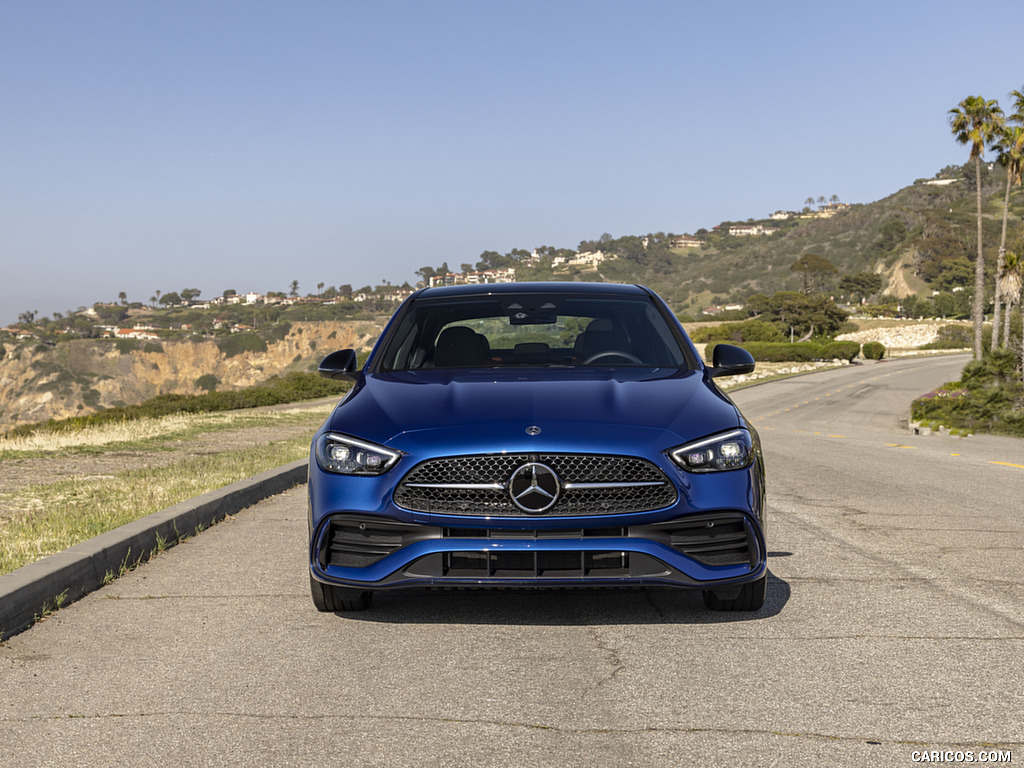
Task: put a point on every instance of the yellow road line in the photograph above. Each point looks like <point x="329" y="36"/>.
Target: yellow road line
<point x="1007" y="464"/>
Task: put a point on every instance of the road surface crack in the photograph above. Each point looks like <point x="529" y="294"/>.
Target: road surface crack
<point x="612" y="730"/>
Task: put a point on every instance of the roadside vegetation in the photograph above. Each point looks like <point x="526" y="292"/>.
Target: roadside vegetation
<point x="162" y="433"/>
<point x="989" y="396"/>
<point x="291" y="388"/>
<point x="114" y="473"/>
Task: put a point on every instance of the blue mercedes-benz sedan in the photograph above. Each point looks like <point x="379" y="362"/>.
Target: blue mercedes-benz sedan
<point x="536" y="435"/>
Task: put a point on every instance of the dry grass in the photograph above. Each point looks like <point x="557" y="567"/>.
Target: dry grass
<point x="148" y="431"/>
<point x="112" y="474"/>
<point x="44" y="519"/>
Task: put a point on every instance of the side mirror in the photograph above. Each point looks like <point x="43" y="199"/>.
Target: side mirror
<point x="728" y="360"/>
<point x="339" y="365"/>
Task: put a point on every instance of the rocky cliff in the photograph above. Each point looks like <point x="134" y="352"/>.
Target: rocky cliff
<point x="40" y="382"/>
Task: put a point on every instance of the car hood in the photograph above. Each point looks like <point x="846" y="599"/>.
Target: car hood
<point x="441" y="412"/>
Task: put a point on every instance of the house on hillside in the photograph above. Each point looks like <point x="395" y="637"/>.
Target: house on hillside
<point x="686" y="241"/>
<point x="752" y="230"/>
<point x="831" y="209"/>
<point x="135" y="333"/>
<point x="475" y="278"/>
<point x="716" y="309"/>
<point x="587" y="260"/>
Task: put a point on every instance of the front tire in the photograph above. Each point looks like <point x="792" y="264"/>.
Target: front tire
<point x="750" y="597"/>
<point x="330" y="599"/>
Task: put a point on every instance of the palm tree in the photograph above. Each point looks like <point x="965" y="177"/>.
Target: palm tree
<point x="975" y="121"/>
<point x="1010" y="146"/>
<point x="1011" y="281"/>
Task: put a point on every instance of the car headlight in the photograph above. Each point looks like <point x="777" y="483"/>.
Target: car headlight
<point x="345" y="455"/>
<point x="718" y="453"/>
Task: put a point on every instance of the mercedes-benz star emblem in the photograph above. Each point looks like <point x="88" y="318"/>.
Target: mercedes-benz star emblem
<point x="533" y="431"/>
<point x="534" y="488"/>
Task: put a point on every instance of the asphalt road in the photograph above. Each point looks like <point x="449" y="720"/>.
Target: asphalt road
<point x="894" y="624"/>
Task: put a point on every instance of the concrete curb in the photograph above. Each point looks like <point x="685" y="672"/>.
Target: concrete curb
<point x="60" y="579"/>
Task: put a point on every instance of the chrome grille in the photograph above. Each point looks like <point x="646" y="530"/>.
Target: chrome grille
<point x="590" y="485"/>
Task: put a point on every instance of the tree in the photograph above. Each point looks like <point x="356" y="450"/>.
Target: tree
<point x="814" y="268"/>
<point x="891" y="234"/>
<point x="188" y="294"/>
<point x="123" y="297"/>
<point x="797" y="314"/>
<point x="170" y="298"/>
<point x="319" y="289"/>
<point x="1012" y="279"/>
<point x="1010" y="146"/>
<point x="975" y="121"/>
<point x="861" y="284"/>
<point x="294" y="288"/>
<point x="492" y="260"/>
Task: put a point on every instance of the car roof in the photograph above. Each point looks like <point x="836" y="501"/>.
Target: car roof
<point x="487" y="289"/>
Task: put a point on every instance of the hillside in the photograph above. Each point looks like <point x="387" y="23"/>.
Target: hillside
<point x="920" y="239"/>
<point x="40" y="382"/>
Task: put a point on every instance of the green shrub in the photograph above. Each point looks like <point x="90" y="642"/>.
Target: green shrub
<point x="278" y="332"/>
<point x="208" y="382"/>
<point x="771" y="352"/>
<point x="840" y="350"/>
<point x="873" y="350"/>
<point x="734" y="333"/>
<point x="152" y="346"/>
<point x="237" y="343"/>
<point x="124" y="346"/>
<point x="988" y="398"/>
<point x="958" y="337"/>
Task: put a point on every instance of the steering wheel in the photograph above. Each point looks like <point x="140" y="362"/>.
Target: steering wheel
<point x="613" y="353"/>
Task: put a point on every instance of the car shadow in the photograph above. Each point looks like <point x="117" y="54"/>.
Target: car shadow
<point x="561" y="607"/>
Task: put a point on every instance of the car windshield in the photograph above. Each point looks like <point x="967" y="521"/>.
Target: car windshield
<point x="540" y="329"/>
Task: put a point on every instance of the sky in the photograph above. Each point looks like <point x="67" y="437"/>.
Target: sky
<point x="219" y="144"/>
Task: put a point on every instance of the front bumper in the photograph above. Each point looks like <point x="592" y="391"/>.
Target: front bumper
<point x="716" y="549"/>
